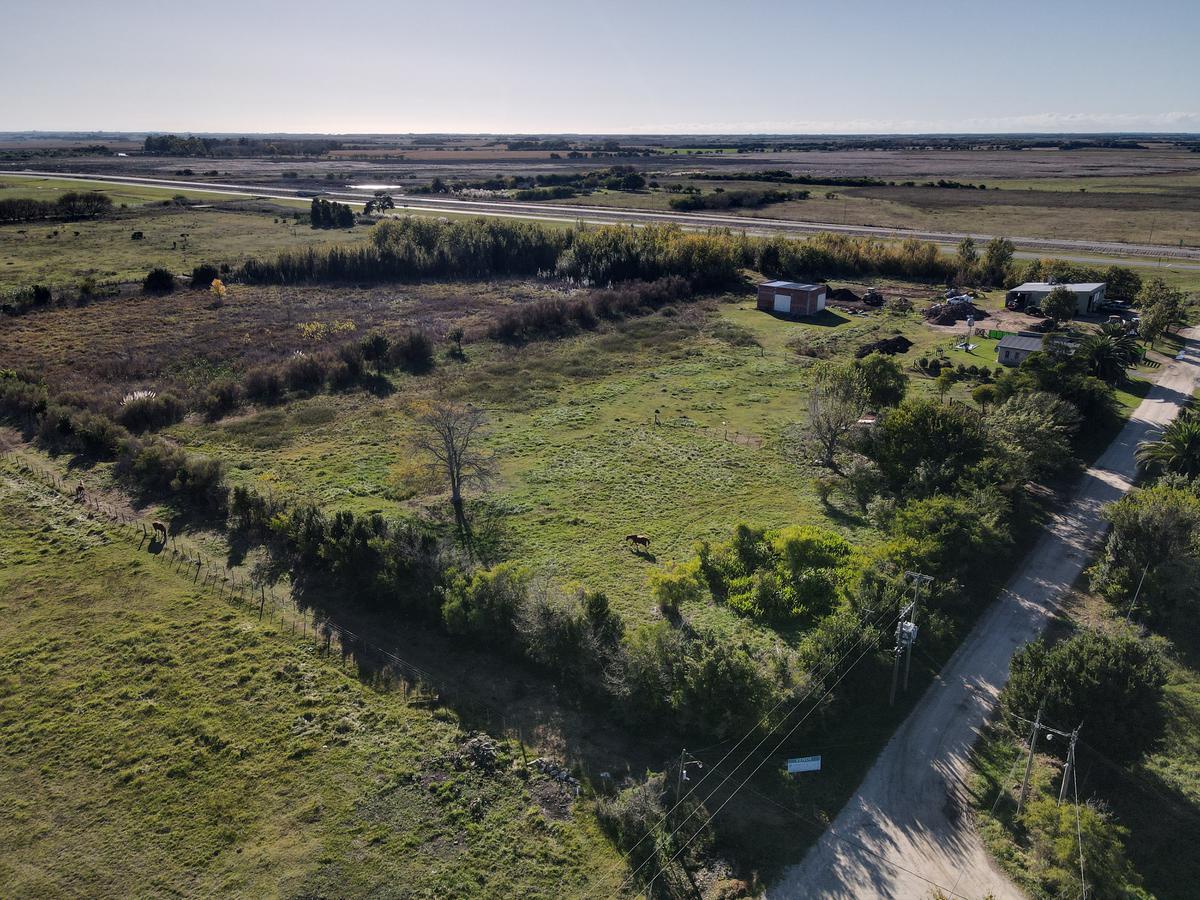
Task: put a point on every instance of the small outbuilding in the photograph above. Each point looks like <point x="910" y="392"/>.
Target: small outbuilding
<point x="790" y="298"/>
<point x="1014" y="348"/>
<point x="1031" y="294"/>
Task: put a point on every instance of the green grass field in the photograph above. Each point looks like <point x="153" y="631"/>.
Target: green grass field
<point x="582" y="462"/>
<point x="159" y="741"/>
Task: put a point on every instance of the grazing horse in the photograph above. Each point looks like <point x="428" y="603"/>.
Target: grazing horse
<point x="638" y="540"/>
<point x="159" y="529"/>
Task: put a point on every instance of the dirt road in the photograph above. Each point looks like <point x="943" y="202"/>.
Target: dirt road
<point x="909" y="826"/>
<point x="1097" y="252"/>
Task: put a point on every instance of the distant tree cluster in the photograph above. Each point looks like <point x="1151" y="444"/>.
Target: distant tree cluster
<point x="71" y="205"/>
<point x="735" y="199"/>
<point x="174" y="145"/>
<point x="327" y="214"/>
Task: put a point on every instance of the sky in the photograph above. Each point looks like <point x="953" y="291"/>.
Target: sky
<point x="601" y="67"/>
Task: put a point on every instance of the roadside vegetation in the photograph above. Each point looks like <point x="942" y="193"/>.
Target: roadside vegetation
<point x="1122" y="670"/>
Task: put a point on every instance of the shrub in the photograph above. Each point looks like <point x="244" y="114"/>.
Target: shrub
<point x="146" y="411"/>
<point x="676" y="585"/>
<point x="40" y="295"/>
<point x="701" y="681"/>
<point x="305" y="373"/>
<point x="203" y="276"/>
<point x="158" y="281"/>
<point x="485" y="605"/>
<point x="222" y="398"/>
<point x="1114" y="681"/>
<point x="264" y="384"/>
<point x="412" y="353"/>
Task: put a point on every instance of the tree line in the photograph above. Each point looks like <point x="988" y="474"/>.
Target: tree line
<point x="70" y="206"/>
<point x="412" y="247"/>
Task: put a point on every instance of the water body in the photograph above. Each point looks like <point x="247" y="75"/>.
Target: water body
<point x="374" y="187"/>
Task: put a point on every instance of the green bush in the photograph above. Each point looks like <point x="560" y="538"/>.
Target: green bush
<point x="485" y="606"/>
<point x="412" y="353"/>
<point x="203" y="276"/>
<point x="150" y="412"/>
<point x="1111" y="682"/>
<point x="158" y="281"/>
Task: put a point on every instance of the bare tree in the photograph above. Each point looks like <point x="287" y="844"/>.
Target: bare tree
<point x="836" y="403"/>
<point x="451" y="434"/>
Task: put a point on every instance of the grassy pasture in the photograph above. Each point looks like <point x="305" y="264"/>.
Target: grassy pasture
<point x="62" y="254"/>
<point x="161" y="742"/>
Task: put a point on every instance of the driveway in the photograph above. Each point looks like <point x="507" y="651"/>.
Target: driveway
<point x="909" y="830"/>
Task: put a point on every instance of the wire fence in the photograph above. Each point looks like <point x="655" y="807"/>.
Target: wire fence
<point x="733" y="436"/>
<point x="278" y="610"/>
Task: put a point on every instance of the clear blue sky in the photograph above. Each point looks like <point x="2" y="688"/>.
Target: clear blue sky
<point x="604" y="67"/>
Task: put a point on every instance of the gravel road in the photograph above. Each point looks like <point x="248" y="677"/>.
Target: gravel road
<point x="909" y="828"/>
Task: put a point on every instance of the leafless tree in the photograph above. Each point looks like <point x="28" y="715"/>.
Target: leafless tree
<point x="836" y="403"/>
<point x="451" y="433"/>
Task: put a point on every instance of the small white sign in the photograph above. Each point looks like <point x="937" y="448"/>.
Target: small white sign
<point x="804" y="764"/>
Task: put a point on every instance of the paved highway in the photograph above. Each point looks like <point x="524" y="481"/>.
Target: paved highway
<point x="909" y="827"/>
<point x="1098" y="252"/>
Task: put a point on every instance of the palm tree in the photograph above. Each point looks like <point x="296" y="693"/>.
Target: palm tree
<point x="1177" y="448"/>
<point x="1109" y="353"/>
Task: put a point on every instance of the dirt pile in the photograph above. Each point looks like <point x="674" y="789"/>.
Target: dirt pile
<point x="949" y="313"/>
<point x="890" y="346"/>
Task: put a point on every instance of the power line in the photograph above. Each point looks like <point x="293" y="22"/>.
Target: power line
<point x="814" y="683"/>
<point x="1079" y="833"/>
<point x="746" y="780"/>
<point x="824" y="829"/>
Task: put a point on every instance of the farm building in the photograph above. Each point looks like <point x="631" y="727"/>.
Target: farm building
<point x="1014" y="348"/>
<point x="1088" y="295"/>
<point x="790" y="298"/>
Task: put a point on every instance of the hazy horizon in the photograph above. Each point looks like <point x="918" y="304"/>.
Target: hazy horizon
<point x="538" y="67"/>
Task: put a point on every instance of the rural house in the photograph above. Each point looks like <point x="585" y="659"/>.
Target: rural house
<point x="1014" y="348"/>
<point x="1031" y="294"/>
<point x="790" y="298"/>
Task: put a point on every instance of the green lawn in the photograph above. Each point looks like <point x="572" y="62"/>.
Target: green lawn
<point x="159" y="741"/>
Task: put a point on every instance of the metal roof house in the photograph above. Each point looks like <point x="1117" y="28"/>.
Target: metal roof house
<point x="1014" y="348"/>
<point x="1088" y="295"/>
<point x="790" y="298"/>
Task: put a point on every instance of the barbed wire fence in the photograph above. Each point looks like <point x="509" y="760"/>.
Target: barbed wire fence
<point x="277" y="610"/>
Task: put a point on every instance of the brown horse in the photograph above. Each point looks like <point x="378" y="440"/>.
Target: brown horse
<point x="638" y="540"/>
<point x="159" y="528"/>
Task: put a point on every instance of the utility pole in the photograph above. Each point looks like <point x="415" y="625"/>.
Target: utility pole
<point x="685" y="760"/>
<point x="897" y="654"/>
<point x="1037" y="726"/>
<point x="919" y="581"/>
<point x="1069" y="768"/>
<point x="906" y="632"/>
